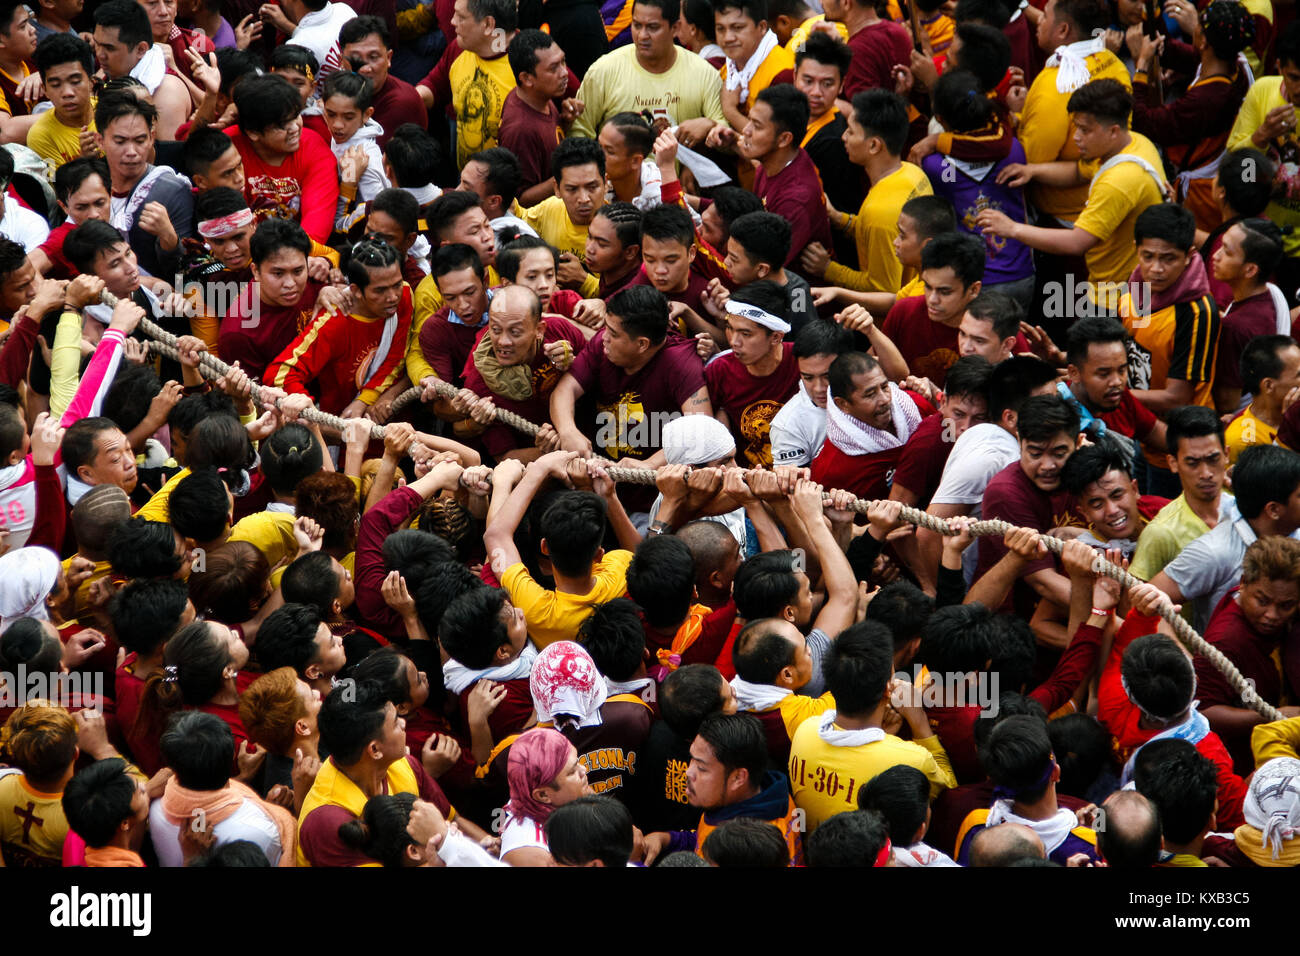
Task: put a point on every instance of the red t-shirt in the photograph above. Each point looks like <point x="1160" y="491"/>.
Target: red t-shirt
<point x="920" y="466"/>
<point x="876" y="49"/>
<point x="752" y="402"/>
<point x="142" y="743"/>
<point x="304" y="188"/>
<point x="447" y="345"/>
<point x="929" y="347"/>
<point x="867" y="476"/>
<point x="511" y="715"/>
<point x="61" y="266"/>
<point x="531" y="136"/>
<point x="1130" y="418"/>
<point x="796" y="193"/>
<point x="499" y="439"/>
<point x="254" y="339"/>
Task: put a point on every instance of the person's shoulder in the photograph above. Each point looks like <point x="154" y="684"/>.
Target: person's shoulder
<point x="614" y="563"/>
<point x="615" y="61"/>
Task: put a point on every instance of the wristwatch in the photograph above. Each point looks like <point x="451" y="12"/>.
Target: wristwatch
<point x="659" y="527"/>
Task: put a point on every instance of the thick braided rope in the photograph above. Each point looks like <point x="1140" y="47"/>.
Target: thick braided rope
<point x="214" y="368"/>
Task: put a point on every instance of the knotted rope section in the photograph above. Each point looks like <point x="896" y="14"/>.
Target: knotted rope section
<point x="214" y="368"/>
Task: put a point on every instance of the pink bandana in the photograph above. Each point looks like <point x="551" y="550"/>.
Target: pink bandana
<point x="223" y="226"/>
<point x="537" y="757"/>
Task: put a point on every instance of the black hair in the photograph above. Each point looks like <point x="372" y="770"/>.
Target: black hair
<point x="1101" y="330"/>
<point x="128" y="399"/>
<point x="590" y="828"/>
<point x="699" y="14"/>
<point x="577" y="151"/>
<point x="236" y="853"/>
<point x="400" y="206"/>
<point x="199" y="748"/>
<point x="1287" y="49"/>
<point x="957" y="639"/>
<point x="504" y="13"/>
<point x="25" y="642"/>
<point x="387" y="668"/>
<point x="1012" y="650"/>
<point x="1127" y="840"/>
<point x="1158" y="677"/>
<point x="995" y="13"/>
<point x="471" y="629"/>
<point x="353" y="86"/>
<point x="637" y="133"/>
<point x="59" y="48"/>
<point x="661" y="579"/>
<point x="746" y="841"/>
<point x="1043" y="417"/>
<point x="290" y="56"/>
<point x="969" y="376"/>
<point x="573" y="525"/>
<point x="826" y="50"/>
<point x="1107" y="101"/>
<point x="858" y="667"/>
<point x="624" y="217"/>
<point x="69" y="177"/>
<point x="145" y="613"/>
<point x="128" y="18"/>
<point x="903" y="608"/>
<point x="13" y="427"/>
<point x="1261" y="243"/>
<point x="437" y="586"/>
<point x="765" y="585"/>
<point x="764" y="236"/>
<point x="512" y="253"/>
<point x="985" y="51"/>
<point x="1191" y="421"/>
<point x="822" y="338"/>
<point x="266" y="101"/>
<point x="960" y="251"/>
<point x="198" y="507"/>
<point x="1086" y="16"/>
<point x="140" y="548"/>
<point x="1246" y="176"/>
<point x="1016" y="756"/>
<point x="789" y="108"/>
<point x="845" y="368"/>
<point x="883" y="113"/>
<point x="960" y="103"/>
<point x="1181" y="782"/>
<point x="412" y="155"/>
<point x="234" y="64"/>
<point x="1083" y="749"/>
<point x="290" y="455"/>
<point x="668" y="223"/>
<point x="204" y="147"/>
<point x="503" y="177"/>
<point x="1264" y="474"/>
<point x="853" y="838"/>
<point x="359" y="261"/>
<point x="643" y="311"/>
<point x="1261" y="359"/>
<point x="85" y="242"/>
<point x="274" y="234"/>
<point x="455" y="256"/>
<point x="1168" y="222"/>
<point x="12" y="257"/>
<point x="98" y="799"/>
<point x="380" y="831"/>
<point x="688" y="696"/>
<point x="762" y="651"/>
<point x="524" y="48"/>
<point x="738" y="743"/>
<point x="311" y="580"/>
<point x="901" y="795"/>
<point x="756" y="10"/>
<point x="732" y="202"/>
<point x="287" y="638"/>
<point x="349" y="722"/>
<point x="765" y="294"/>
<point x="614" y="637"/>
<point x="218" y="201"/>
<point x="358" y="28"/>
<point x="1091" y="463"/>
<point x="933" y="215"/>
<point x="219" y="441"/>
<point x="670" y="9"/>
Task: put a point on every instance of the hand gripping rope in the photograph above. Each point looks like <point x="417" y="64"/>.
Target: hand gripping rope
<point x="165" y="344"/>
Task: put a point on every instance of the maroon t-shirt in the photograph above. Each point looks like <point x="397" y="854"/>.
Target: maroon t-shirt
<point x="876" y="49"/>
<point x="1242" y="322"/>
<point x="1011" y="496"/>
<point x="1130" y="418"/>
<point x="696" y="285"/>
<point x="929" y="347"/>
<point x="531" y="136"/>
<point x="867" y="476"/>
<point x="752" y="402"/>
<point x="625" y="404"/>
<point x="254" y="338"/>
<point x="499" y="439"/>
<point x="511" y="715"/>
<point x="448" y="345"/>
<point x="61" y="266"/>
<point x="920" y="466"/>
<point x="609" y="749"/>
<point x="796" y="193"/>
<point x="395" y="103"/>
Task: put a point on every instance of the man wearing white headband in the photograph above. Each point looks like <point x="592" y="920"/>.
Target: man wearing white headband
<point x="749" y="384"/>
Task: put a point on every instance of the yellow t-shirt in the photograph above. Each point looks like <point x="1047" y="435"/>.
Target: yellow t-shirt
<point x="479" y="89"/>
<point x="55" y="143"/>
<point x="803" y="30"/>
<point x="874" y="230"/>
<point x="1047" y="132"/>
<point x="551" y="221"/>
<point x="780" y="58"/>
<point x="32" y="824"/>
<point x="271" y="532"/>
<point x="156" y="508"/>
<point x="1266" y="94"/>
<point x="1247" y="430"/>
<point x="825" y="778"/>
<point x="616" y="83"/>
<point x="553" y="616"/>
<point x="1114" y="202"/>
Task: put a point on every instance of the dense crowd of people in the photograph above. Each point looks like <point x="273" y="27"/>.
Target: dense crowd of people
<point x="667" y="309"/>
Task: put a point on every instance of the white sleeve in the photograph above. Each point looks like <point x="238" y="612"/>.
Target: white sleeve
<point x="459" y="850"/>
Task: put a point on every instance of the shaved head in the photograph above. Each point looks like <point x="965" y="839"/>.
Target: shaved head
<point x="515" y="301"/>
<point x="1004" y="844"/>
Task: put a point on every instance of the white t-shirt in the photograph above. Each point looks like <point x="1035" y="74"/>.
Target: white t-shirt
<point x="318" y="31"/>
<point x="798" y="430"/>
<point x="980" y="453"/>
<point x="521" y="833"/>
<point x="22" y="225"/>
<point x="250" y="822"/>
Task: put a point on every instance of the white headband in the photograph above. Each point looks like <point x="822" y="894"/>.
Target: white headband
<point x="759" y="316"/>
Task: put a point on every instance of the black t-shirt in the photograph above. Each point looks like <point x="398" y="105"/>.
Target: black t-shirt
<point x="659" y="788"/>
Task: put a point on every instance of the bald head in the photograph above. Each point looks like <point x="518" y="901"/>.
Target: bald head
<point x="515" y="301"/>
<point x="1130" y="833"/>
<point x="1004" y="844"/>
<point x="715" y="550"/>
<point x="515" y="326"/>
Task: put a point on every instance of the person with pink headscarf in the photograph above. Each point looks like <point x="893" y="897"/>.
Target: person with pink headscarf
<point x="544" y="773"/>
<point x="570" y="694"/>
